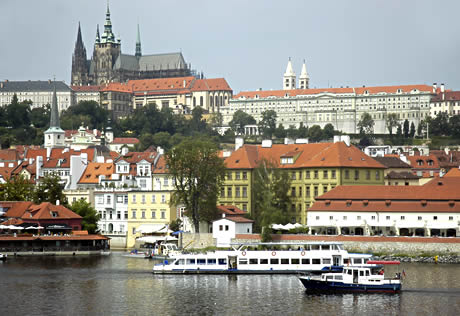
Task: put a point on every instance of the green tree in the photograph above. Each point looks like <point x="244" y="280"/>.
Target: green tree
<point x="399" y="132"/>
<point x="198" y="173"/>
<point x="271" y="198"/>
<point x="267" y="124"/>
<point x="412" y="130"/>
<point x="175" y="225"/>
<point x="49" y="189"/>
<point x="328" y="131"/>
<point x="17" y="113"/>
<point x="392" y="122"/>
<point x="89" y="112"/>
<point x="40" y="117"/>
<point x="216" y="119"/>
<point x="197" y="123"/>
<point x="16" y="188"/>
<point x="303" y="131"/>
<point x="239" y="120"/>
<point x="89" y="214"/>
<point x="454" y="123"/>
<point x="315" y="133"/>
<point x="406" y="130"/>
<point x="366" y="124"/>
<point x="439" y="126"/>
<point x="292" y="132"/>
<point x="162" y="139"/>
<point x="280" y="132"/>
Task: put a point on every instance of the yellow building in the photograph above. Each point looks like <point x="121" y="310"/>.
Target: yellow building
<point x="314" y="169"/>
<point x="149" y="211"/>
<point x="80" y="194"/>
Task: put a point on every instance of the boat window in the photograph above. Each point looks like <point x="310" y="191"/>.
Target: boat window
<point x="326" y="261"/>
<point x="253" y="261"/>
<point x="366" y="260"/>
<point x="243" y="261"/>
<point x="361" y="273"/>
<point x="305" y="261"/>
<point x="263" y="261"/>
<point x="179" y="262"/>
<point x="274" y="261"/>
<point x="284" y="261"/>
<point x="201" y="261"/>
<point x="306" y="247"/>
<point x="358" y="261"/>
<point x="295" y="261"/>
<point x="340" y="247"/>
<point x="329" y="277"/>
<point x="212" y="261"/>
<point x="346" y="261"/>
<point x="339" y="277"/>
<point x="349" y="272"/>
<point x="191" y="261"/>
<point x="325" y="247"/>
<point x="314" y="247"/>
<point x="222" y="261"/>
<point x="315" y="261"/>
<point x="367" y="272"/>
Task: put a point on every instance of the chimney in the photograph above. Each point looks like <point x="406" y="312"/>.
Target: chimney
<point x="442" y="91"/>
<point x="38" y="166"/>
<point x="288" y="141"/>
<point x="435" y="87"/>
<point x="58" y="202"/>
<point x="267" y="143"/>
<point x="48" y="153"/>
<point x="1" y="85"/>
<point x="239" y="142"/>
<point x="185" y="83"/>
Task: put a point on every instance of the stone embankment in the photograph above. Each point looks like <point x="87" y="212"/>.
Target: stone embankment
<point x="422" y="259"/>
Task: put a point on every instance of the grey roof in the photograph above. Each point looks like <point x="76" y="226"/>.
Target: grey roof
<point x="150" y="62"/>
<point x="392" y="162"/>
<point x="401" y="175"/>
<point x="54" y="120"/>
<point x="25" y="86"/>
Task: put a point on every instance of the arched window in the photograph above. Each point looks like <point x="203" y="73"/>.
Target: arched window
<point x="194" y="101"/>
<point x="110" y="228"/>
<point x="216" y="103"/>
<point x="201" y="101"/>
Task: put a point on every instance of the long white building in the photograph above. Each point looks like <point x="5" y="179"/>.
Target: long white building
<point x="341" y="107"/>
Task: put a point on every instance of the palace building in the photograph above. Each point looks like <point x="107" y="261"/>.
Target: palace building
<point x="109" y="64"/>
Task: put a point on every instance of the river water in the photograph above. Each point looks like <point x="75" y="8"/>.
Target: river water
<point x="118" y="285"/>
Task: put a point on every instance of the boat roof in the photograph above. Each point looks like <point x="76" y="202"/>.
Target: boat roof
<point x="287" y="243"/>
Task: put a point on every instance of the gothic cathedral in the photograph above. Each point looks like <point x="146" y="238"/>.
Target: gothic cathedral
<point x="109" y="64"/>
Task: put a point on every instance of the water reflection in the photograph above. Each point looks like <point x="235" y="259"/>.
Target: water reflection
<point x="118" y="285"/>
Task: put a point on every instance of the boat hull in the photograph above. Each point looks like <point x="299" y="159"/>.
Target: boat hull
<point x="340" y="287"/>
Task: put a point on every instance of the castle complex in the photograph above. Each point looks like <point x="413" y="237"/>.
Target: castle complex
<point x="109" y="64"/>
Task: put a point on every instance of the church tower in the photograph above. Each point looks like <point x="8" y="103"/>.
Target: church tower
<point x="138" y="43"/>
<point x="79" y="63"/>
<point x="304" y="78"/>
<point x="106" y="51"/>
<point x="54" y="135"/>
<point x="289" y="78"/>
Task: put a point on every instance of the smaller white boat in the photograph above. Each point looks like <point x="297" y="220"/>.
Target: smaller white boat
<point x="3" y="256"/>
<point x="137" y="254"/>
<point x="368" y="279"/>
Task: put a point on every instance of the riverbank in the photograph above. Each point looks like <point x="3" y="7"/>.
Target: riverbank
<point x="422" y="259"/>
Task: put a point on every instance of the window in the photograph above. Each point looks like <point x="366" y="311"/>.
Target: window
<point x="229" y="176"/>
<point x="300" y="191"/>
<point x="143" y="198"/>
<point x="229" y="192"/>
<point x="368" y="175"/>
<point x="222" y="192"/>
<point x="308" y="191"/>
<point x="293" y="191"/>
<point x="134" y="198"/>
<point x="377" y="175"/>
<point x="153" y="213"/>
<point x="324" y="188"/>
<point x="435" y="218"/>
<point x="126" y="214"/>
<point x="274" y="261"/>
<point x="253" y="261"/>
<point x="347" y="174"/>
<point x="143" y="214"/>
<point x="315" y="188"/>
<point x="316" y="174"/>
<point x="316" y="261"/>
<point x="245" y="207"/>
<point x="403" y="217"/>
<point x="134" y="214"/>
<point x="333" y="174"/>
<point x="325" y="174"/>
<point x="237" y="192"/>
<point x="451" y="218"/>
<point x="237" y="175"/>
<point x="345" y="217"/>
<point x="245" y="175"/>
<point x="118" y="215"/>
<point x="109" y="199"/>
<point x="307" y="174"/>
<point x="226" y="227"/>
<point x="100" y="199"/>
<point x="284" y="261"/>
<point x="166" y="181"/>
<point x="387" y="218"/>
<point x="163" y="214"/>
<point x="305" y="261"/>
<point x="317" y="217"/>
<point x="373" y="217"/>
<point x="419" y="218"/>
<point x="293" y="175"/>
<point x="245" y="192"/>
<point x="153" y="198"/>
<point x="358" y="217"/>
<point x="125" y="199"/>
<point x="163" y="198"/>
<point x="356" y="174"/>
<point x="221" y="227"/>
<point x="331" y="217"/>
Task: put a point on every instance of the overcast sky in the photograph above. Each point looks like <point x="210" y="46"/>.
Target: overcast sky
<point x="248" y="42"/>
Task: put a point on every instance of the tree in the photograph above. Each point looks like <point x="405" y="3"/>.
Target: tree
<point x="17" y="113"/>
<point x="280" y="132"/>
<point x="271" y="198"/>
<point x="412" y="130"/>
<point x="162" y="139"/>
<point x="198" y="173"/>
<point x="175" y="225"/>
<point x="303" y="131"/>
<point x="328" y="131"/>
<point x="89" y="214"/>
<point x="197" y="123"/>
<point x="91" y="112"/>
<point x="399" y="132"/>
<point x="406" y="128"/>
<point x="366" y="124"/>
<point x="315" y="133"/>
<point x="16" y="188"/>
<point x="454" y="123"/>
<point x="239" y="120"/>
<point x="439" y="126"/>
<point x="216" y="119"/>
<point x="49" y="189"/>
<point x="267" y="124"/>
<point x="392" y="122"/>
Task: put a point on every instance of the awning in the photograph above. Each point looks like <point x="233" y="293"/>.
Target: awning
<point x="58" y="227"/>
<point x="151" y="228"/>
<point x="153" y="239"/>
<point x="442" y="226"/>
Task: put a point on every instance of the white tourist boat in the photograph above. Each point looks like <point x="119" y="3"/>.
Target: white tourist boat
<point x="3" y="256"/>
<point x="277" y="258"/>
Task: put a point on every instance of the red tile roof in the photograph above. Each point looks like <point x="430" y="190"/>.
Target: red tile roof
<point x="454" y="172"/>
<point x="230" y="210"/>
<point x="216" y="84"/>
<point x="14" y="208"/>
<point x="117" y="87"/>
<point x="125" y="140"/>
<point x="425" y="162"/>
<point x="358" y="91"/>
<point x="86" y="88"/>
<point x="448" y="96"/>
<point x="239" y="219"/>
<point x="96" y="169"/>
<point x="305" y="156"/>
<point x="46" y="210"/>
<point x="160" y="167"/>
<point x="9" y="155"/>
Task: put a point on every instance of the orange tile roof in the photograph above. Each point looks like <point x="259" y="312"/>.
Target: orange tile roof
<point x="5" y="172"/>
<point x="454" y="172"/>
<point x="230" y="210"/>
<point x="160" y="167"/>
<point x="125" y="140"/>
<point x="15" y="208"/>
<point x="46" y="210"/>
<point x="448" y="96"/>
<point x="86" y="88"/>
<point x="358" y="91"/>
<point x="305" y="156"/>
<point x="413" y="160"/>
<point x="9" y="155"/>
<point x="96" y="169"/>
<point x="34" y="153"/>
<point x="215" y="84"/>
<point x="161" y="84"/>
<point x="117" y="87"/>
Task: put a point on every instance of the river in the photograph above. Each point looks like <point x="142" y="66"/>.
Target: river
<point x="118" y="285"/>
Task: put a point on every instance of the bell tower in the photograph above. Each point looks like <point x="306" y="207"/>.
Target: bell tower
<point x="54" y="135"/>
<point x="289" y="78"/>
<point x="304" y="78"/>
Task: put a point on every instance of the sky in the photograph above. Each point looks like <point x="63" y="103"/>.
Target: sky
<point x="247" y="42"/>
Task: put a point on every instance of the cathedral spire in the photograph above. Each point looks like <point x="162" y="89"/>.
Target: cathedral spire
<point x="79" y="66"/>
<point x="138" y="43"/>
<point x="79" y="42"/>
<point x="98" y="38"/>
<point x="304" y="78"/>
<point x="107" y="36"/>
<point x="289" y="77"/>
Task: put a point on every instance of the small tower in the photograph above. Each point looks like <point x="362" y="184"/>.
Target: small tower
<point x="138" y="43"/>
<point x="304" y="78"/>
<point x="54" y="135"/>
<point x="289" y="77"/>
<point x="108" y="134"/>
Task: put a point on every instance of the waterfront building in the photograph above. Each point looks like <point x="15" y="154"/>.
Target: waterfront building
<point x="426" y="167"/>
<point x="448" y="158"/>
<point x="39" y="93"/>
<point x="137" y="166"/>
<point x="232" y="222"/>
<point x="432" y="209"/>
<point x="109" y="64"/>
<point x="398" y="171"/>
<point x="86" y="93"/>
<point x="314" y="169"/>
